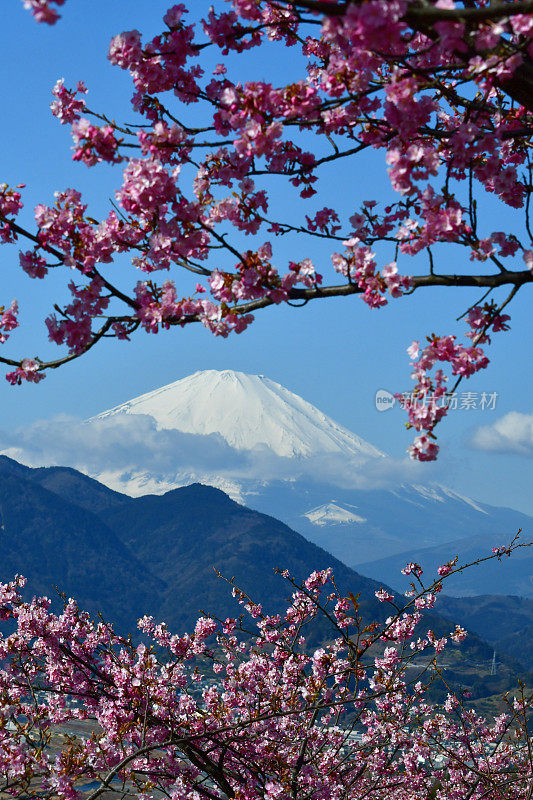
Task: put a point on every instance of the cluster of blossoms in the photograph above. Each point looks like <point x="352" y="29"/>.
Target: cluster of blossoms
<point x="43" y="10"/>
<point x="427" y="405"/>
<point x="10" y="205"/>
<point x="255" y="278"/>
<point x="8" y="320"/>
<point x="29" y="369"/>
<point x="395" y="76"/>
<point x="359" y="265"/>
<point x="247" y="706"/>
<point x="161" y="308"/>
<point x="484" y="319"/>
<point x="67" y="107"/>
<point x="168" y="143"/>
<point x="94" y="143"/>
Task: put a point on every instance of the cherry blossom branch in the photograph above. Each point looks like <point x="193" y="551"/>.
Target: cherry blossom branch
<point x="516" y="279"/>
<point x="422" y="16"/>
<point x="425" y="12"/>
<point x="429" y="85"/>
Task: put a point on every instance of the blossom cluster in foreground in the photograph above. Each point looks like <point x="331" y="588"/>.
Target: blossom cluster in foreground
<point x="313" y="702"/>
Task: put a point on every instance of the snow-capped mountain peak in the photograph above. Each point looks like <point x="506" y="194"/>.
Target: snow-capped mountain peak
<point x="333" y="514"/>
<point x="249" y="412"/>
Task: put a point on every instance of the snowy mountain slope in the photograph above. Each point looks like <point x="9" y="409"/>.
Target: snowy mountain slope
<point x="333" y="514"/>
<point x="249" y="412"/>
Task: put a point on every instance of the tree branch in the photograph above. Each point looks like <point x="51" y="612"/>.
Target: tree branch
<point x="421" y="16"/>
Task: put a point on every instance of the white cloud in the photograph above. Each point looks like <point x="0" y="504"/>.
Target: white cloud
<point x="348" y="473"/>
<point x="117" y="443"/>
<point x="129" y="453"/>
<point x="512" y="434"/>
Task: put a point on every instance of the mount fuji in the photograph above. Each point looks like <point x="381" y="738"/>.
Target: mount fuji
<point x="299" y="465"/>
<point x="250" y="412"/>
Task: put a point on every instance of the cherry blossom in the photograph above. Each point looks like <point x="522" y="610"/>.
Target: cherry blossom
<point x="249" y="706"/>
<point x="67" y="107"/>
<point x="29" y="370"/>
<point x="8" y="320"/>
<point x="43" y="10"/>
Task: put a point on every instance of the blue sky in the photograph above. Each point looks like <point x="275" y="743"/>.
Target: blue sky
<point x="335" y="353"/>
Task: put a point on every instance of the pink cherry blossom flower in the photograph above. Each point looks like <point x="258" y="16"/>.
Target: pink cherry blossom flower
<point x="29" y="370"/>
<point x="43" y="10"/>
<point x="414" y="349"/>
<point x="67" y="107"/>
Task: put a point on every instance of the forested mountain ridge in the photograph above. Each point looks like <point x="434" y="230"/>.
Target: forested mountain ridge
<point x="158" y="555"/>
